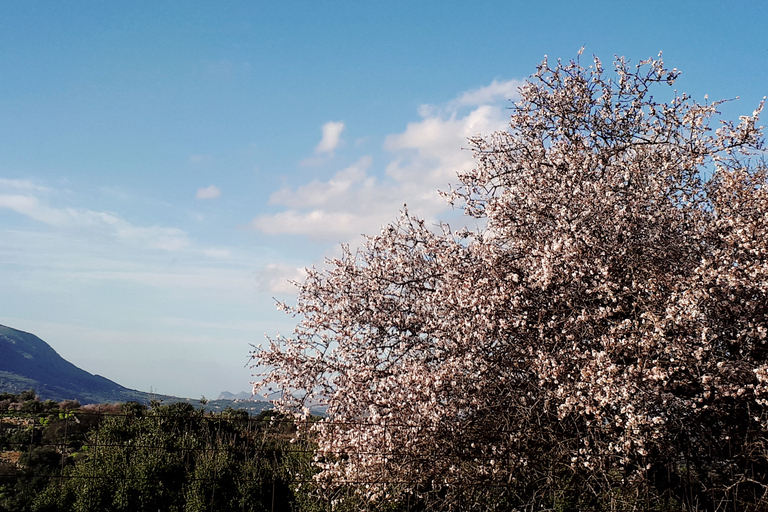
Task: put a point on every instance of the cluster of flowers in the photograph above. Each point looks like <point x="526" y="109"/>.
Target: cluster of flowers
<point x="613" y="300"/>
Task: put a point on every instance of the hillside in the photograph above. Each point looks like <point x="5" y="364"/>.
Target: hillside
<point x="27" y="362"/>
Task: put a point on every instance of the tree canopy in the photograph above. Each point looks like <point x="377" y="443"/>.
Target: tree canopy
<point x="607" y="322"/>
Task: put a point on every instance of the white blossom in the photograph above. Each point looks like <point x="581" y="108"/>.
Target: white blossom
<point x="611" y="294"/>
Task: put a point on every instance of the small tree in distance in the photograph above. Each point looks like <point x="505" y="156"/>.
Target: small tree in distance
<point x="602" y="339"/>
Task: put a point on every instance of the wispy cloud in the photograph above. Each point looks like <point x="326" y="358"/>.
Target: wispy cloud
<point x="21" y="185"/>
<point x="165" y="238"/>
<point x="92" y="271"/>
<point x="98" y="223"/>
<point x="419" y="162"/>
<point x="32" y="207"/>
<point x="209" y="192"/>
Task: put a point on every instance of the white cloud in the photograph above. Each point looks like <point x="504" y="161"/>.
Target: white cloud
<point x="331" y="137"/>
<point x="209" y="192"/>
<point x="279" y="278"/>
<point x="430" y="152"/>
<point x="319" y="193"/>
<point x="493" y="93"/>
<point x="33" y="208"/>
<point x="99" y="223"/>
<point x="421" y="160"/>
<point x="25" y="185"/>
<point x="318" y="224"/>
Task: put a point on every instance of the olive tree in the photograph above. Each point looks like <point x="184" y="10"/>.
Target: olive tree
<point x="605" y="329"/>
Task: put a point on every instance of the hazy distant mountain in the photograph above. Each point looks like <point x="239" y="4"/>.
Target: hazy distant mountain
<point x="28" y="362"/>
<point x="243" y="395"/>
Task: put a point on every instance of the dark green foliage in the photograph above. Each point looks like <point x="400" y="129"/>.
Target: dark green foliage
<point x="28" y="395"/>
<point x="61" y="457"/>
<point x="175" y="457"/>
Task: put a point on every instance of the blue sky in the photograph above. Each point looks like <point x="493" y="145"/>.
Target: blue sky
<point x="166" y="167"/>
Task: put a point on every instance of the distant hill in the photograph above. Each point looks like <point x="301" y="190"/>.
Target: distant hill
<point x="243" y="395"/>
<point x="27" y="362"/>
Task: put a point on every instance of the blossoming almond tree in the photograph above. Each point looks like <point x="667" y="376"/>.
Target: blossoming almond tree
<point x="610" y="318"/>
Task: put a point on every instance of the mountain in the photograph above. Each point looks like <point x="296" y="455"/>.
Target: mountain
<point x="28" y="362"/>
<point x="243" y="395"/>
